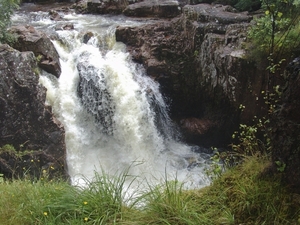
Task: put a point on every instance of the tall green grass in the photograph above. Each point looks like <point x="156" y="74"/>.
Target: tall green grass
<point x="242" y="195"/>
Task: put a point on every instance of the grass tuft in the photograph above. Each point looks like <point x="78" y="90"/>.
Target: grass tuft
<point x="240" y="196"/>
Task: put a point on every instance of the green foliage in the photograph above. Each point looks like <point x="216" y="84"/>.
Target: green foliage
<point x="280" y="166"/>
<point x="217" y="166"/>
<point x="27" y="164"/>
<point x="253" y="198"/>
<point x="7" y="8"/>
<point x="10" y="149"/>
<point x="242" y="195"/>
<point x="167" y="204"/>
<point x="276" y="33"/>
<point x="249" y="140"/>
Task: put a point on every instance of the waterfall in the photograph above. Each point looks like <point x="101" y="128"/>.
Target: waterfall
<point x="113" y="113"/>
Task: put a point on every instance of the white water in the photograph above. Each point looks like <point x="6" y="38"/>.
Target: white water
<point x="114" y="126"/>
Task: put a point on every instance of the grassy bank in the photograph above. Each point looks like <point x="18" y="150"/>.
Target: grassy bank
<point x="240" y="196"/>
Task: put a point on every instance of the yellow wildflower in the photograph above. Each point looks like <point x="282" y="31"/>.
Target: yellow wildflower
<point x="45" y="214"/>
<point x="85" y="203"/>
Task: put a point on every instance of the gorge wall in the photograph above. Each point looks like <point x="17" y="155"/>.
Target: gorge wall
<point x="199" y="58"/>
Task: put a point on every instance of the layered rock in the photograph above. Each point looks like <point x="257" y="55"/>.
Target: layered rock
<point x="154" y="8"/>
<point x="106" y="6"/>
<point x="25" y="122"/>
<point x="136" y="8"/>
<point x="29" y="39"/>
<point x="199" y="60"/>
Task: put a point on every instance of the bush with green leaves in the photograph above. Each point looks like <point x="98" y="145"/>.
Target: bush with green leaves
<point x="277" y="32"/>
<point x="7" y="8"/>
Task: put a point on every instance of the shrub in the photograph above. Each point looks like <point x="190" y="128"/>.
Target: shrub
<point x="7" y="8"/>
<point x="276" y="33"/>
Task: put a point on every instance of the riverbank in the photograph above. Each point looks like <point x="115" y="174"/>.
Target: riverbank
<point x="243" y="195"/>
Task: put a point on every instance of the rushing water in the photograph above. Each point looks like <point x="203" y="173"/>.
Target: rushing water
<point x="114" y="116"/>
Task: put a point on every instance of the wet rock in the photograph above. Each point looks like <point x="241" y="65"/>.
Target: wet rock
<point x="200" y="62"/>
<point x="87" y="37"/>
<point x="67" y="26"/>
<point x="80" y="6"/>
<point x="217" y="14"/>
<point x="29" y="39"/>
<point x="54" y="15"/>
<point x="106" y="6"/>
<point x="196" y="126"/>
<point x="95" y="97"/>
<point x="153" y="8"/>
<point x="25" y="122"/>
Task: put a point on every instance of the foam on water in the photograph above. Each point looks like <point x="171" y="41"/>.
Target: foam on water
<point x="114" y="116"/>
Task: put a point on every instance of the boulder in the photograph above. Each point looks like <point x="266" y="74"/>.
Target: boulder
<point x="200" y="62"/>
<point x="106" y="6"/>
<point x="218" y="14"/>
<point x="154" y="8"/>
<point x="29" y="39"/>
<point x="54" y="15"/>
<point x="200" y="131"/>
<point x="67" y="26"/>
<point x="25" y="122"/>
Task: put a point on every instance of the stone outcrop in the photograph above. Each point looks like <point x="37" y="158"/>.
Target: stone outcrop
<point x="139" y="8"/>
<point x="136" y="8"/>
<point x="199" y="60"/>
<point x="29" y="39"/>
<point x="154" y="8"/>
<point x="106" y="6"/>
<point x="286" y="133"/>
<point x="25" y="122"/>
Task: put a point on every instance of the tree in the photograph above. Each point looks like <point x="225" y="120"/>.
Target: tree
<point x="276" y="37"/>
<point x="7" y="8"/>
<point x="277" y="32"/>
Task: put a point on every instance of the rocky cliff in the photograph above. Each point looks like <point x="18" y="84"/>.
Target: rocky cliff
<point x="25" y="122"/>
<point x="196" y="52"/>
<point x="200" y="62"/>
<point x="285" y="128"/>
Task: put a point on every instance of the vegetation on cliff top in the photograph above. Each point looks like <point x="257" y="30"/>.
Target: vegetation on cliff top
<point x="277" y="32"/>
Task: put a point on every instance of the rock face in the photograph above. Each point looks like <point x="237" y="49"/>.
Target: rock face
<point x="153" y="8"/>
<point x="286" y="132"/>
<point x="25" y="121"/>
<point x="106" y="6"/>
<point x="30" y="39"/>
<point x="199" y="61"/>
<point x="136" y="8"/>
